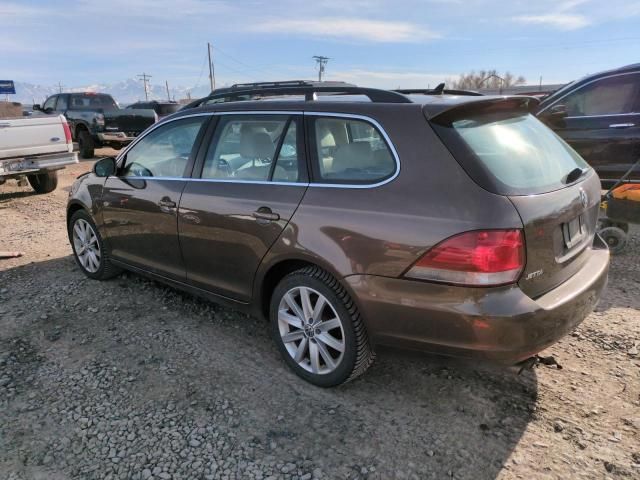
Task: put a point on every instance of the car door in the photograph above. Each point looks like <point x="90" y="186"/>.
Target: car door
<point x="249" y="185"/>
<point x="140" y="202"/>
<point x="602" y="123"/>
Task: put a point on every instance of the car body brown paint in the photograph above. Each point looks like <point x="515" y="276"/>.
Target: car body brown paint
<point x="367" y="238"/>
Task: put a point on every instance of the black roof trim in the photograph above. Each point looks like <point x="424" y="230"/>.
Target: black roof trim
<point x="306" y="89"/>
<point x="444" y="91"/>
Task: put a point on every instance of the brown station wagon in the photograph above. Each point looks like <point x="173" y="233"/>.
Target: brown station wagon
<point x="350" y="217"/>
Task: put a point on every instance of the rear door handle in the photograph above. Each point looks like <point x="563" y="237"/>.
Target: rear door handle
<point x="265" y="213"/>
<point x="622" y="125"/>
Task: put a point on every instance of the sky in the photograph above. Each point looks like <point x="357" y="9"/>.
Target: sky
<point x="378" y="43"/>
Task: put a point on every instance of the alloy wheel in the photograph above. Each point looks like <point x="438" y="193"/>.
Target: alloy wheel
<point x="311" y="330"/>
<point x="87" y="248"/>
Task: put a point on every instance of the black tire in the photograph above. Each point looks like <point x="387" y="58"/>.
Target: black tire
<point x="86" y="145"/>
<point x="106" y="269"/>
<point x="358" y="354"/>
<point x="615" y="238"/>
<point x="44" y="182"/>
<point x="605" y="223"/>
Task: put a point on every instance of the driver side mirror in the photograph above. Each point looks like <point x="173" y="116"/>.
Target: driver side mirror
<point x="36" y="107"/>
<point x="558" y="111"/>
<point x="105" y="167"/>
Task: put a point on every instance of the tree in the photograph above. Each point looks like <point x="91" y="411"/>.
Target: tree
<point x="485" y="79"/>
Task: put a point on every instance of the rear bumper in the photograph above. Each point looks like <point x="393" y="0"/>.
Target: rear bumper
<point x="501" y="324"/>
<point x="115" y="137"/>
<point x="26" y="165"/>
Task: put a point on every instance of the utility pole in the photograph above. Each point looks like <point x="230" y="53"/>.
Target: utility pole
<point x="321" y="61"/>
<point x="60" y="87"/>
<point x="145" y="80"/>
<point x="166" y="82"/>
<point x="212" y="73"/>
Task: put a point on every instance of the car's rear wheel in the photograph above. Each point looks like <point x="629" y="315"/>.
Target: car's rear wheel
<point x="88" y="248"/>
<point x="318" y="328"/>
<point x="43" y="182"/>
<point x="86" y="145"/>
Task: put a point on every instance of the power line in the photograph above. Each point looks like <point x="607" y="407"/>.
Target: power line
<point x="268" y="71"/>
<point x="145" y="80"/>
<point x="322" y="62"/>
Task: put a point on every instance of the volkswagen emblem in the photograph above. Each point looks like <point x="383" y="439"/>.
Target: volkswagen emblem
<point x="583" y="198"/>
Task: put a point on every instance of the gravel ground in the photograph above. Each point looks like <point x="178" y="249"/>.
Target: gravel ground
<point x="131" y="379"/>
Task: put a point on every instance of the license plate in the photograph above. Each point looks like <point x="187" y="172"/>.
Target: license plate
<point x="574" y="231"/>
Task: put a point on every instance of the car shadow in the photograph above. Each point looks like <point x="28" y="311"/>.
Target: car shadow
<point x="412" y="415"/>
<point x="6" y="196"/>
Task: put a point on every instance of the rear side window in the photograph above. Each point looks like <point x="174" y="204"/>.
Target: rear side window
<point x="510" y="153"/>
<point x="167" y="108"/>
<point x="350" y="151"/>
<point x="90" y="101"/>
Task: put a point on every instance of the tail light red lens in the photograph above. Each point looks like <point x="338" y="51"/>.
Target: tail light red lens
<point x="67" y="132"/>
<point x="479" y="258"/>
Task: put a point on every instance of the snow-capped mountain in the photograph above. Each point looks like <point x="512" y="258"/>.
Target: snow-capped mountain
<point x="125" y="92"/>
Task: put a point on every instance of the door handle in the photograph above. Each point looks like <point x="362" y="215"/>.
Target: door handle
<point x="167" y="204"/>
<point x="622" y="125"/>
<point x="265" y="213"/>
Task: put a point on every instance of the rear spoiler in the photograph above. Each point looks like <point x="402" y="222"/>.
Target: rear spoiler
<point x="446" y="112"/>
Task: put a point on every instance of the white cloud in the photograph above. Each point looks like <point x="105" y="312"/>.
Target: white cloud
<point x="348" y="28"/>
<point x="562" y="21"/>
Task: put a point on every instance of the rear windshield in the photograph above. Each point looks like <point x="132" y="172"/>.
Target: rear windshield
<point x="167" y="108"/>
<point x="511" y="153"/>
<point x="92" y="102"/>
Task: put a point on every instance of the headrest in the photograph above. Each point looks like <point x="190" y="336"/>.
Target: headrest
<point x="353" y="155"/>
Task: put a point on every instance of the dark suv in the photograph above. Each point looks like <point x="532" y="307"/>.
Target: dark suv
<point x="350" y="217"/>
<point x="599" y="116"/>
<point x="162" y="109"/>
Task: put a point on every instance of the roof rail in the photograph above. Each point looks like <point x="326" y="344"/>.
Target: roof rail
<point x="255" y="91"/>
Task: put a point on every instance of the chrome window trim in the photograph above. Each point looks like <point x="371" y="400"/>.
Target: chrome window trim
<point x="584" y="85"/>
<point x="364" y="118"/>
<point x="605" y="115"/>
<point x="219" y="180"/>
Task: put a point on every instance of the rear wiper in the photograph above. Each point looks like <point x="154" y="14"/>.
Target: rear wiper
<point x="574" y="175"/>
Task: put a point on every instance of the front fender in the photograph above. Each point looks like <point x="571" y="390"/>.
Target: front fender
<point x="86" y="193"/>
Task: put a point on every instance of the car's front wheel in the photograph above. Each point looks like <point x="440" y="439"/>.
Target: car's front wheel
<point x="88" y="247"/>
<point x="318" y="328"/>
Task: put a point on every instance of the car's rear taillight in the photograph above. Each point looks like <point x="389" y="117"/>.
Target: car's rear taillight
<point x="67" y="132"/>
<point x="478" y="258"/>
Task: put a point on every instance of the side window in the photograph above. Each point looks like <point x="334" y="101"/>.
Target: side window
<point x="50" y="103"/>
<point x="165" y="151"/>
<point x="351" y="151"/>
<point x="608" y="96"/>
<point x="253" y="147"/>
<point x="61" y="106"/>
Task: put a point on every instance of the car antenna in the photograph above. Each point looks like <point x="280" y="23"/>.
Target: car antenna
<point x="439" y="89"/>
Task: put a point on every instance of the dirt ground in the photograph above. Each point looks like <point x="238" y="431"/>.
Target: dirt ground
<point x="131" y="379"/>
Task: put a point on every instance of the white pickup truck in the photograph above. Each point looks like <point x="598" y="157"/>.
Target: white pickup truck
<point x="35" y="147"/>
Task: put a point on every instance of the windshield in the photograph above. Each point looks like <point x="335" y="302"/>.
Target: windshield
<point x="516" y="152"/>
<point x="92" y="102"/>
